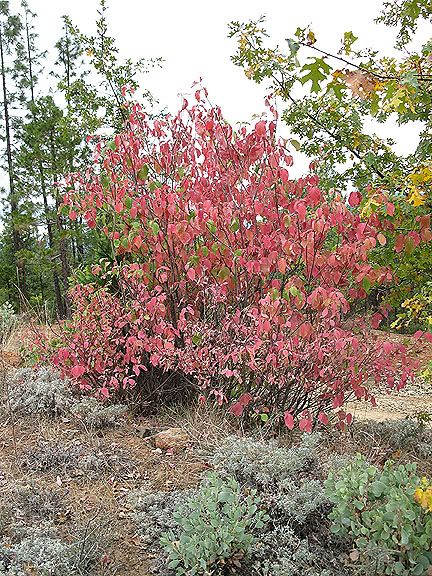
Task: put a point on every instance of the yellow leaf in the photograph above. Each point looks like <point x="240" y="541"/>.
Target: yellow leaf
<point x="416" y="198"/>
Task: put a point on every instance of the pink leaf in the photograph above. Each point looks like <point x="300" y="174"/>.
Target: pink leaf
<point x="305" y="425"/>
<point x="323" y="418"/>
<point x="289" y="420"/>
<point x="191" y="274"/>
<point x="237" y="409"/>
<point x="260" y="128"/>
<point x="354" y="199"/>
<point x="376" y="320"/>
<point x="77" y="371"/>
<point x="390" y="209"/>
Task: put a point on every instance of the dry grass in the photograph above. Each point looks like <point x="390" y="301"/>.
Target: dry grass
<point x="125" y="459"/>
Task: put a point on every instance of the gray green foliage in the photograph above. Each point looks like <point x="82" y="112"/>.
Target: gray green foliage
<point x="216" y="526"/>
<point x="53" y="456"/>
<point x="378" y="510"/>
<point x="39" y="549"/>
<point x="295" y="539"/>
<point x="264" y="463"/>
<point x="153" y="512"/>
<point x="89" y="461"/>
<point x="42" y="392"/>
<point x="280" y="552"/>
<point x="8" y="320"/>
<point x="39" y="392"/>
<point x="94" y="415"/>
<point x="398" y="435"/>
<point x="32" y="501"/>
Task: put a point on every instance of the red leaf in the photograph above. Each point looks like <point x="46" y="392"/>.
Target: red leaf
<point x="381" y="239"/>
<point x="323" y="418"/>
<point x="260" y="128"/>
<point x="137" y="241"/>
<point x="191" y="274"/>
<point x="305" y="425"/>
<point x="282" y="265"/>
<point x="237" y="409"/>
<point x="399" y="243"/>
<point x="245" y="399"/>
<point x="77" y="371"/>
<point x="376" y="320"/>
<point x="306" y="330"/>
<point x="289" y="420"/>
<point x="354" y="199"/>
<point x="388" y="347"/>
<point x="390" y="209"/>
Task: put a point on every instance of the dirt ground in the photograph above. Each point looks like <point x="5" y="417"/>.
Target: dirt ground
<point x="126" y="460"/>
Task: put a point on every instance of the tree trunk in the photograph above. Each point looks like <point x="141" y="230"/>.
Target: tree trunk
<point x="12" y="198"/>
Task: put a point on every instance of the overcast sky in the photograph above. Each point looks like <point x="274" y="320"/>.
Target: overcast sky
<point x="191" y="36"/>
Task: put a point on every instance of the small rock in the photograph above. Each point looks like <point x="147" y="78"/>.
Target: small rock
<point x="173" y="438"/>
<point x="144" y="431"/>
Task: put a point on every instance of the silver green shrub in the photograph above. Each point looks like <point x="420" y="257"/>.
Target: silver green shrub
<point x="94" y="415"/>
<point x="295" y="541"/>
<point x="40" y="548"/>
<point x="8" y="320"/>
<point x="264" y="463"/>
<point x="153" y="512"/>
<point x="399" y="435"/>
<point x="91" y="461"/>
<point x="53" y="456"/>
<point x="42" y="392"/>
<point x="39" y="392"/>
<point x="33" y="501"/>
<point x="298" y="502"/>
<point x="280" y="552"/>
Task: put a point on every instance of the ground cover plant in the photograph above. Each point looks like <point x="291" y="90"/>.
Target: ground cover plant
<point x="387" y="512"/>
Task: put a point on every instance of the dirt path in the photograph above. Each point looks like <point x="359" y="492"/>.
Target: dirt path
<point x="415" y="398"/>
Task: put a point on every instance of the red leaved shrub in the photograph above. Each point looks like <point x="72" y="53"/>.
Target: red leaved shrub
<point x="226" y="275"/>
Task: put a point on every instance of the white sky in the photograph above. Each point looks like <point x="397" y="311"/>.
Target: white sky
<point x="191" y="36"/>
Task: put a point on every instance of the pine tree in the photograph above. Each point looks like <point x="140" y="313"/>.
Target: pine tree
<point x="10" y="31"/>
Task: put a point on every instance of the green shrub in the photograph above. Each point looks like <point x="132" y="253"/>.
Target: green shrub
<point x="378" y="510"/>
<point x="216" y="528"/>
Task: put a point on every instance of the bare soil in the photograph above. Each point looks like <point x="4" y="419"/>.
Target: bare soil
<point x="129" y="461"/>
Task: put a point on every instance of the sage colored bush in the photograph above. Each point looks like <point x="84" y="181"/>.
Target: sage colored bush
<point x="380" y="511"/>
<point x="216" y="528"/>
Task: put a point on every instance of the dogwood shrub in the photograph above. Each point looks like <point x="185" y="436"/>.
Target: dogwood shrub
<point x="226" y="274"/>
